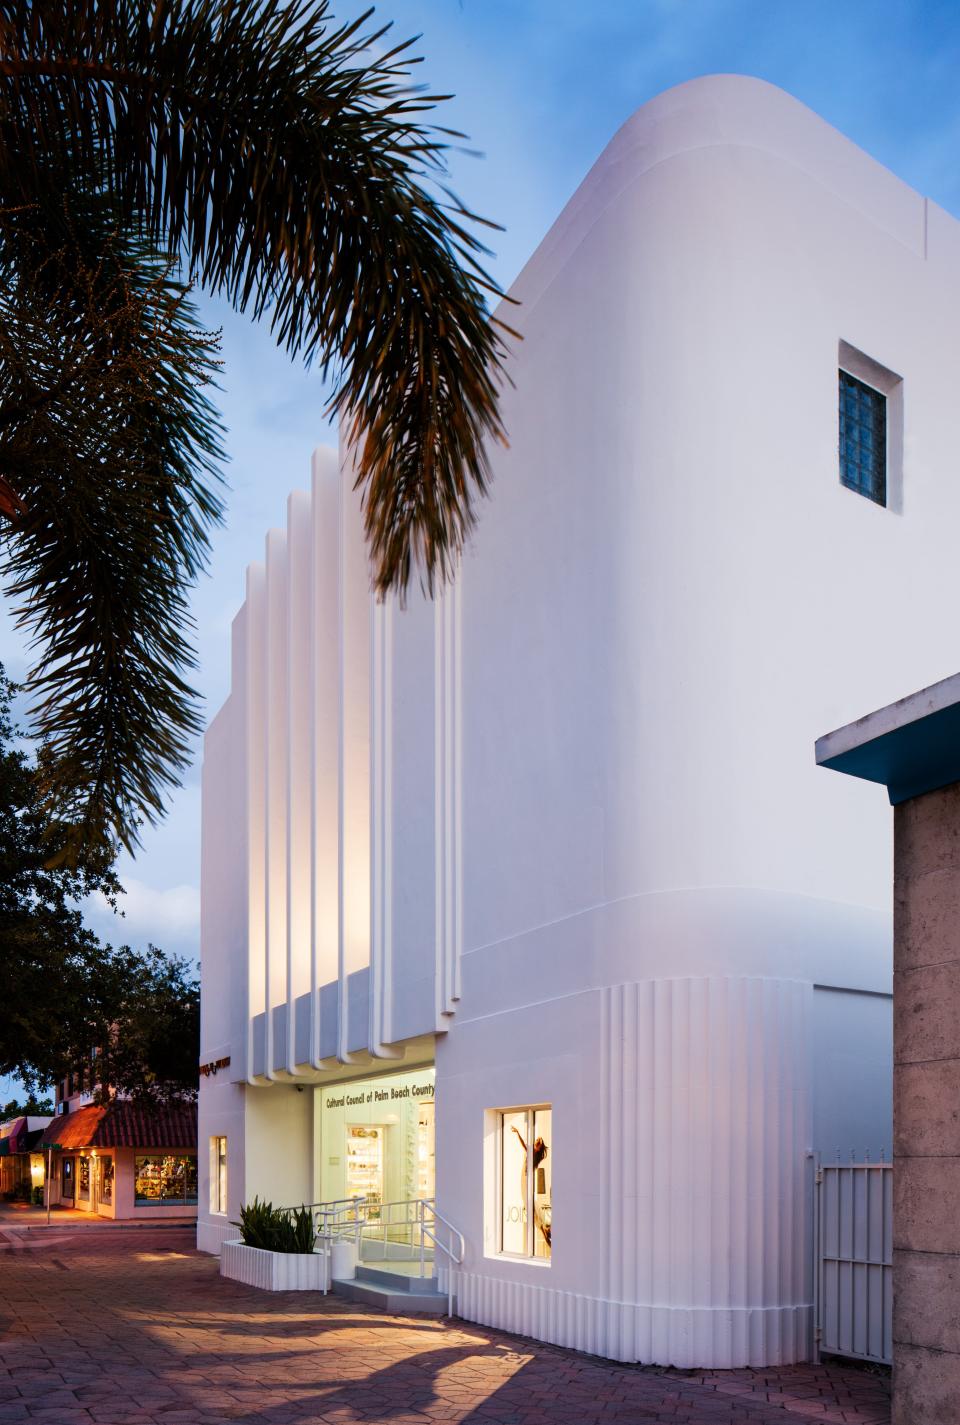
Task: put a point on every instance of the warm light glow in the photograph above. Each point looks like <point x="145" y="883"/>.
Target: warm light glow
<point x="36" y="1170"/>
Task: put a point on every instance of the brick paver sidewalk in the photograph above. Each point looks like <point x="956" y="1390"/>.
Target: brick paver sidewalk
<point x="136" y="1328"/>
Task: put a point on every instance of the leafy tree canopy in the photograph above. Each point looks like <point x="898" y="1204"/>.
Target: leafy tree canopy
<point x="63" y="993"/>
<point x="27" y="1107"/>
<point x="289" y="164"/>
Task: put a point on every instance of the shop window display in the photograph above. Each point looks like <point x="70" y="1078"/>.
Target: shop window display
<point x="526" y="1223"/>
<point x="83" y="1179"/>
<point x="106" y="1180"/>
<point x="165" y="1180"/>
<point x="365" y="1164"/>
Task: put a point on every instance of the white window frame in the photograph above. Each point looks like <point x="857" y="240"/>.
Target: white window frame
<point x="497" y="1117"/>
<point x="890" y="386"/>
<point x="218" y="1200"/>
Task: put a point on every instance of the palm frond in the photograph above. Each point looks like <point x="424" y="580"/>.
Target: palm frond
<point x="111" y="447"/>
<point x="297" y="168"/>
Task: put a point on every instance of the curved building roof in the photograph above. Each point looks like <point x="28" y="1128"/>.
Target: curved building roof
<point x="728" y="111"/>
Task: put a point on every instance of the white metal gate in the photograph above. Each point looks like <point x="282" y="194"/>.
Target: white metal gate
<point x="853" y="1279"/>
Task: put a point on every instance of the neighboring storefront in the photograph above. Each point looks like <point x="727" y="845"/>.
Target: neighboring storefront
<point x="121" y="1161"/>
<point x="21" y="1162"/>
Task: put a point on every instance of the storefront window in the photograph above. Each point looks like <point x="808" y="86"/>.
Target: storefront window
<point x="165" y="1179"/>
<point x="106" y="1180"/>
<point x="83" y="1179"/>
<point x="218" y="1175"/>
<point x="526" y="1138"/>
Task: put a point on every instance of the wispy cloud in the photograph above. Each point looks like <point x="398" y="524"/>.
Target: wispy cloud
<point x="168" y="917"/>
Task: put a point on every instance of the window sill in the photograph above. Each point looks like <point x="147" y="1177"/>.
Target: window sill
<point x="542" y="1264"/>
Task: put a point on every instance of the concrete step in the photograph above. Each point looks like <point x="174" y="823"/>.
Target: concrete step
<point x="383" y="1275"/>
<point x="398" y="1302"/>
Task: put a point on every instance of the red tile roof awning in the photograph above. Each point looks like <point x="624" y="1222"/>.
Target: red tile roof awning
<point x="73" y="1130"/>
<point x="124" y="1125"/>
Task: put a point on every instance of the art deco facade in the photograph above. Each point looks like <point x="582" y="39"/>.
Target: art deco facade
<point x="540" y="877"/>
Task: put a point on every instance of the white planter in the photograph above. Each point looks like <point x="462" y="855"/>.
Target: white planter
<point x="343" y="1260"/>
<point x="273" y="1271"/>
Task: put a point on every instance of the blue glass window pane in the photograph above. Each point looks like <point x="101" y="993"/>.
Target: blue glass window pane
<point x="863" y="438"/>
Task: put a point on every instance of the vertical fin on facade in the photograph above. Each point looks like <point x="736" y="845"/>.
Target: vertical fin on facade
<point x="381" y="831"/>
<point x="254" y="696"/>
<point x="300" y="683"/>
<point x="448" y="794"/>
<point x="319" y="666"/>
<point x="356" y="605"/>
<point x="276" y="731"/>
<point x="325" y="742"/>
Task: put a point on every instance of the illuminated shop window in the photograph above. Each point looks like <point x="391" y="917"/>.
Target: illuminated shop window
<point x="218" y="1174"/>
<point x="106" y="1180"/>
<point x="525" y="1218"/>
<point x="426" y="1152"/>
<point x="83" y="1179"/>
<point x="165" y="1180"/>
<point x="365" y="1165"/>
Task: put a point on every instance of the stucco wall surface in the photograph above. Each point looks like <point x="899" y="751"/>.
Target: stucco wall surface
<point x="584" y="770"/>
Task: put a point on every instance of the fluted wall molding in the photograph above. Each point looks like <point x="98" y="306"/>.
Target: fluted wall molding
<point x="627" y="1331"/>
<point x="689" y="1224"/>
<point x="273" y="1271"/>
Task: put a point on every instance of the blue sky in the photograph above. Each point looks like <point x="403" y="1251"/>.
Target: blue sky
<point x="540" y="88"/>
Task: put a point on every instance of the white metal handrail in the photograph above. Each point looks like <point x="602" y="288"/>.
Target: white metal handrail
<point x="332" y="1221"/>
<point x="410" y="1224"/>
<point x="454" y="1248"/>
<point x="417" y="1220"/>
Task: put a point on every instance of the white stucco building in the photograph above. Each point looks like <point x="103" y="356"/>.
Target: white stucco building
<point x="555" y="845"/>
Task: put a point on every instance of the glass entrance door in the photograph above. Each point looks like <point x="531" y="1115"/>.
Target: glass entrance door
<point x="426" y="1150"/>
<point x="105" y="1193"/>
<point x="377" y="1138"/>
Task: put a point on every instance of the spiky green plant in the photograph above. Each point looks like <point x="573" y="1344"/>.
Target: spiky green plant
<point x="276" y="1229"/>
<point x="303" y="1231"/>
<point x="289" y="163"/>
<point x="258" y="1224"/>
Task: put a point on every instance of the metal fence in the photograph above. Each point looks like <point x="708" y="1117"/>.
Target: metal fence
<point x="853" y="1277"/>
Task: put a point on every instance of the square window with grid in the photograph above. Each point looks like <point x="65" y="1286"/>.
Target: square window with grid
<point x="863" y="438"/>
